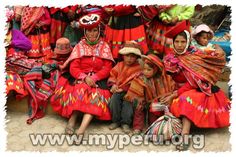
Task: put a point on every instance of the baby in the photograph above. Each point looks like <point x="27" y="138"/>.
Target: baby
<point x="202" y="34"/>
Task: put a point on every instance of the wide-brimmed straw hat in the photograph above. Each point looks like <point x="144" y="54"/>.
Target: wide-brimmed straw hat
<point x="131" y="47"/>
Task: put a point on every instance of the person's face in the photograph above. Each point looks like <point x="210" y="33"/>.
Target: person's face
<point x="180" y="43"/>
<point x="203" y="39"/>
<point x="92" y="34"/>
<point x="130" y="59"/>
<point x="148" y="71"/>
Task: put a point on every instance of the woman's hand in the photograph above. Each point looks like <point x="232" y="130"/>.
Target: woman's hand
<point x="71" y="15"/>
<point x="89" y="81"/>
<point x="109" y="10"/>
<point x="17" y="17"/>
<point x="137" y="14"/>
<point x="39" y="24"/>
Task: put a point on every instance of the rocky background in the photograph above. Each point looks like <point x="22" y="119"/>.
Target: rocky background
<point x="213" y="15"/>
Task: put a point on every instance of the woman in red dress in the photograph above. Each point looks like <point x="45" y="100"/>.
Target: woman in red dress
<point x="197" y="99"/>
<point x="85" y="89"/>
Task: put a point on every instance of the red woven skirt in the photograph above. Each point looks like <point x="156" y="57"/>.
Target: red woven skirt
<point x="80" y="97"/>
<point x="15" y="83"/>
<point x="58" y="25"/>
<point x="204" y="111"/>
<point x="122" y="29"/>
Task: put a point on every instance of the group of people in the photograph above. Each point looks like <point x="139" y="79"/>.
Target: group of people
<point x="118" y="76"/>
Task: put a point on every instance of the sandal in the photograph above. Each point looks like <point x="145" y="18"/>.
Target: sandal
<point x="183" y="147"/>
<point x="69" y="130"/>
<point x="137" y="132"/>
<point x="78" y="140"/>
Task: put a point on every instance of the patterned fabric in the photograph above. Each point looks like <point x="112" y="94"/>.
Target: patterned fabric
<point x="40" y="46"/>
<point x="83" y="49"/>
<point x="202" y="110"/>
<point x="58" y="25"/>
<point x="16" y="61"/>
<point x="31" y="16"/>
<point x="122" y="29"/>
<point x="72" y="93"/>
<point x="80" y="96"/>
<point x="156" y="38"/>
<point x="164" y="128"/>
<point x="148" y="12"/>
<point x="203" y="69"/>
<point x="40" y="89"/>
<point x="155" y="32"/>
<point x="15" y="82"/>
<point x="143" y="90"/>
<point x="122" y="75"/>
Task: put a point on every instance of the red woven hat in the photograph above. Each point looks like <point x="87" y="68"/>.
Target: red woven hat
<point x="90" y="21"/>
<point x="155" y="60"/>
<point x="62" y="46"/>
<point x="178" y="28"/>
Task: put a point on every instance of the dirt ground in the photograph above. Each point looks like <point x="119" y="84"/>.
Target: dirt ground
<point x="18" y="138"/>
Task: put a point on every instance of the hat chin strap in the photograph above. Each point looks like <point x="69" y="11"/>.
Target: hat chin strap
<point x="187" y="45"/>
<point x="92" y="42"/>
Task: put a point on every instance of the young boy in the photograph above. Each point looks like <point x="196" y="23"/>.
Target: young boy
<point x="146" y="88"/>
<point x="120" y="77"/>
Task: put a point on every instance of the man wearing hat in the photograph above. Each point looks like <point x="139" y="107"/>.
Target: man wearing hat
<point x="120" y="77"/>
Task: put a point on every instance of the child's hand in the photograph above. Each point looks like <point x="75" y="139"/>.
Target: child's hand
<point x="174" y="20"/>
<point x="166" y="22"/>
<point x="119" y="90"/>
<point x="167" y="100"/>
<point x="114" y="88"/>
<point x="140" y="107"/>
<point x="60" y="67"/>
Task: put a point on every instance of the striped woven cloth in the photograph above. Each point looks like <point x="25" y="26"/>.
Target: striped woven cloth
<point x="164" y="128"/>
<point x="40" y="90"/>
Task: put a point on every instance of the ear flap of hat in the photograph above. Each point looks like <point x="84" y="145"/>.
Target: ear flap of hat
<point x="178" y="28"/>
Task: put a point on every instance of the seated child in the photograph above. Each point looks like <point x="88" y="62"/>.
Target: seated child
<point x="202" y="34"/>
<point x="120" y="77"/>
<point x="146" y="88"/>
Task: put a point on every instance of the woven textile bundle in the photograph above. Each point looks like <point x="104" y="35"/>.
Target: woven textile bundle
<point x="165" y="127"/>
